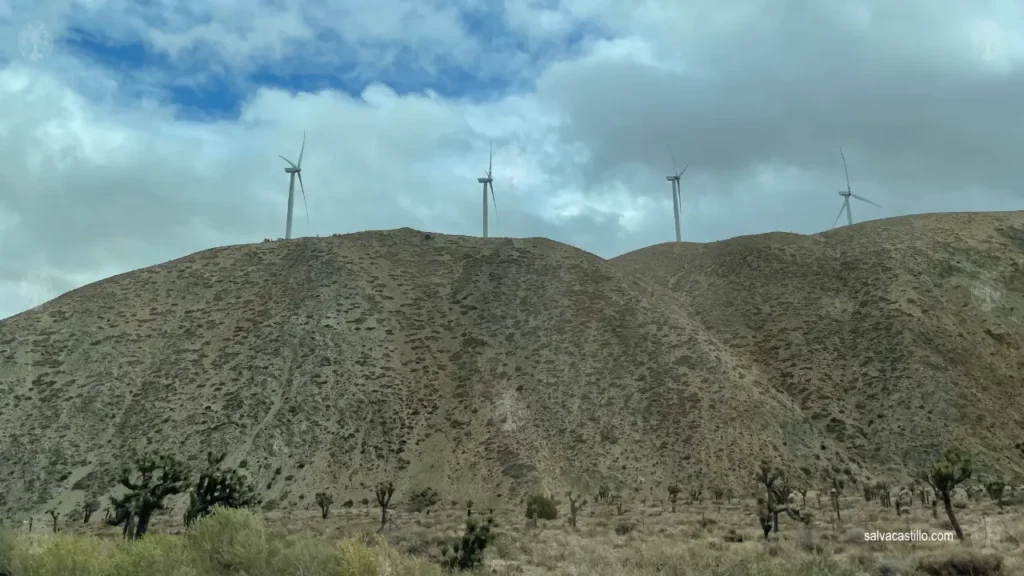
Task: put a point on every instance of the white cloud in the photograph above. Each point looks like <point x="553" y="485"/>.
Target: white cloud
<point x="101" y="173"/>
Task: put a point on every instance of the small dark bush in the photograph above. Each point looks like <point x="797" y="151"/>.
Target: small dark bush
<point x="540" y="506"/>
<point x="422" y="500"/>
<point x="623" y="528"/>
<point x="962" y="562"/>
<point x="469" y="552"/>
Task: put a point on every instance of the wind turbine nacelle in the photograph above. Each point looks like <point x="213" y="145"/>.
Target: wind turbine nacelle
<point x="844" y="193"/>
<point x="290" y="170"/>
<point x="483" y="180"/>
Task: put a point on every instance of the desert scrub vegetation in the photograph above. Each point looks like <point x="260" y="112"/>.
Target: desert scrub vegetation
<point x="226" y="542"/>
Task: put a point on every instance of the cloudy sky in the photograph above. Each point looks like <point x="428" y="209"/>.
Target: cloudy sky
<point x="146" y="131"/>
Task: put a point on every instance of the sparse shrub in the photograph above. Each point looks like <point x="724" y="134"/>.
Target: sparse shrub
<point x="468" y="552"/>
<point x="229" y="541"/>
<point x="995" y="490"/>
<point x="6" y="551"/>
<point x="540" y="506"/>
<point x="961" y="562"/>
<point x="623" y="528"/>
<point x="732" y="536"/>
<point x="347" y="503"/>
<point x="717" y="493"/>
<point x="603" y="493"/>
<point x="423" y="500"/>
<point x="324" y="501"/>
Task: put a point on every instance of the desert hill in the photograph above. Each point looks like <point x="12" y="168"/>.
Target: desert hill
<point x="894" y="337"/>
<point x="488" y="367"/>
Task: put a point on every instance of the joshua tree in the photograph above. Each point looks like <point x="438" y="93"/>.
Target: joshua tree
<point x="384" y="492"/>
<point x="88" y="508"/>
<point x="695" y="494"/>
<point x="673" y="495"/>
<point x="575" y="505"/>
<point x="219" y="487"/>
<point x="835" y="491"/>
<point x="150" y="480"/>
<point x="777" y="495"/>
<point x="946" y="474"/>
<point x="884" y="494"/>
<point x="324" y="501"/>
<point x="54" y="514"/>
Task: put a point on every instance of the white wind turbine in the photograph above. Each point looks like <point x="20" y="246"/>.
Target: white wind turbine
<point x="487" y="181"/>
<point x="677" y="192"/>
<point x="847" y="194"/>
<point x="295" y="170"/>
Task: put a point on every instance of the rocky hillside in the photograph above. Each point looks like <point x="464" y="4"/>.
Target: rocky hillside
<point x="487" y="367"/>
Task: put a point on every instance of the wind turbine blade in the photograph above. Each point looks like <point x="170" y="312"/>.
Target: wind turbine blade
<point x="303" y="188"/>
<point x="863" y="199"/>
<point x="674" y="165"/>
<point x="841" y="208"/>
<point x="493" y="201"/>
<point x="684" y="171"/>
<point x="303" y="149"/>
<point x="845" y="171"/>
<point x="490" y="159"/>
<point x="286" y="160"/>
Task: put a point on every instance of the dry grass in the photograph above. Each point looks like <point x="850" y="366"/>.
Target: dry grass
<point x="730" y="543"/>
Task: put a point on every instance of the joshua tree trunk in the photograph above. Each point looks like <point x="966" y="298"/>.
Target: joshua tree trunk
<point x="948" y="505"/>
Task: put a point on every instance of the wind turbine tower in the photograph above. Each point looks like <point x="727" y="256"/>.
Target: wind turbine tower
<point x="677" y="194"/>
<point x="294" y="170"/>
<point x="487" y="181"/>
<point x="847" y="194"/>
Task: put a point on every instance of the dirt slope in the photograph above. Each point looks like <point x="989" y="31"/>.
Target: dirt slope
<point x="485" y="368"/>
<point x="895" y="337"/>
